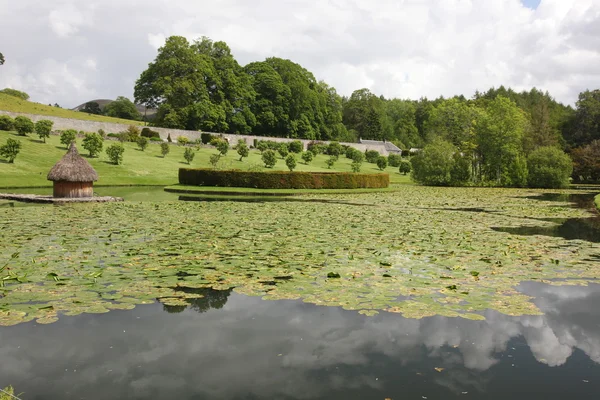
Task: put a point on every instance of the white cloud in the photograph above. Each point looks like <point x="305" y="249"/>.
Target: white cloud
<point x="406" y="49"/>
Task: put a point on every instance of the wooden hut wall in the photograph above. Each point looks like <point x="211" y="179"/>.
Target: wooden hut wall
<point x="73" y="189"/>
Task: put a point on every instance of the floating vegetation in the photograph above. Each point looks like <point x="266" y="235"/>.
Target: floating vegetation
<point x="419" y="252"/>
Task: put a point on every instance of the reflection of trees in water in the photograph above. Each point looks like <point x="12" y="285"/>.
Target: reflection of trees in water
<point x="211" y="299"/>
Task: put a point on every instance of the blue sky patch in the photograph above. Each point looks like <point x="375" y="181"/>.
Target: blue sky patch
<point x="533" y="4"/>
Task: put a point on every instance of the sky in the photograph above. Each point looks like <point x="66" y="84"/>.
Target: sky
<point x="69" y="52"/>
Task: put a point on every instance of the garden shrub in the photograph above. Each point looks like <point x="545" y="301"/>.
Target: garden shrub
<point x="549" y="167"/>
<point x="334" y="149"/>
<point x="394" y="160"/>
<point x="189" y="155"/>
<point x="269" y="158"/>
<point x="206" y="138"/>
<point x="242" y="149"/>
<point x="404" y="167"/>
<point x="222" y="145"/>
<point x="10" y="150"/>
<point x="43" y="128"/>
<point x="296" y="147"/>
<point x="23" y="125"/>
<point x="132" y="134"/>
<point x="307" y="157"/>
<point x="316" y="147"/>
<point x="371" y="156"/>
<point x="182" y="140"/>
<point x="283" y="150"/>
<point x="290" y="162"/>
<point x="382" y="162"/>
<point x="164" y="149"/>
<point x="331" y="161"/>
<point x="149" y="133"/>
<point x="6" y="123"/>
<point x="281" y="179"/>
<point x="115" y="153"/>
<point x="93" y="143"/>
<point x="142" y="142"/>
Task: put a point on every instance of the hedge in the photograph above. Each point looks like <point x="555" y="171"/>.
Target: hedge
<point x="281" y="179"/>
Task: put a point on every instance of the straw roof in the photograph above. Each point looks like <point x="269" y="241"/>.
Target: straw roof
<point x="73" y="168"/>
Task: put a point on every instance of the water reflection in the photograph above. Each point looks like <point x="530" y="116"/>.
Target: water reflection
<point x="244" y="348"/>
<point x="211" y="299"/>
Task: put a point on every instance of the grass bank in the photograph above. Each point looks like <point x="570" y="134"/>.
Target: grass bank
<point x="142" y="167"/>
<point x="236" y="191"/>
<point x="14" y="104"/>
<point x="597" y="202"/>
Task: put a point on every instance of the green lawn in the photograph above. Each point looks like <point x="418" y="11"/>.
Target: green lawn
<point x="142" y="168"/>
<point x="597" y="202"/>
<point x="14" y="104"/>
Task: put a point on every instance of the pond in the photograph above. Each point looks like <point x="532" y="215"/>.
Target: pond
<point x="423" y="293"/>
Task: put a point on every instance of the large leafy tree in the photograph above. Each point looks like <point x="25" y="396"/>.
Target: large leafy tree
<point x="454" y="120"/>
<point x="364" y="114"/>
<point x="92" y="107"/>
<point x="586" y="124"/>
<point x="122" y="107"/>
<point x="400" y="123"/>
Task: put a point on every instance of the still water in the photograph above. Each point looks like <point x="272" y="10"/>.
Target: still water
<point x="229" y="346"/>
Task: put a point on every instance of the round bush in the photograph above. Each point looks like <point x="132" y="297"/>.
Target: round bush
<point x="549" y="167"/>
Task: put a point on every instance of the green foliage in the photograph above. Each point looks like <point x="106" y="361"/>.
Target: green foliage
<point x="405" y="167"/>
<point x="364" y="113"/>
<point x="10" y="150"/>
<point x="461" y="170"/>
<point x="586" y="162"/>
<point x="316" y="147"/>
<point x="222" y="145"/>
<point x="91" y="108"/>
<point x="132" y="134"/>
<point x="334" y="149"/>
<point x="182" y="140"/>
<point x="93" y="143"/>
<point x="206" y="138"/>
<point x="23" y="125"/>
<point x="164" y="149"/>
<point x="242" y="149"/>
<point x="290" y="162"/>
<point x="67" y="137"/>
<point x="8" y="392"/>
<point x="394" y="160"/>
<point x="586" y="121"/>
<point x="122" y="107"/>
<point x="142" y="142"/>
<point x="149" y="133"/>
<point x="6" y="123"/>
<point x="331" y="161"/>
<point x="269" y="158"/>
<point x="296" y="146"/>
<point x="433" y="165"/>
<point x="262" y="146"/>
<point x="371" y="156"/>
<point x="307" y="157"/>
<point x="43" y="128"/>
<point x="102" y="133"/>
<point x="358" y="157"/>
<point x="356" y="165"/>
<point x="189" y="154"/>
<point x="549" y="167"/>
<point x="283" y="150"/>
<point x="115" y="153"/>
<point x="382" y="162"/>
<point x="15" y="93"/>
<point x="281" y="179"/>
<point x="214" y="160"/>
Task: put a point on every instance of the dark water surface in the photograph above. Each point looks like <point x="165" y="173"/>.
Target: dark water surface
<point x="229" y="346"/>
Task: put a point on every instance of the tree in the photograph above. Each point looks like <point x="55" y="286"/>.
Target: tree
<point x="364" y="113"/>
<point x="290" y="161"/>
<point x="24" y="125"/>
<point x="331" y="161"/>
<point x="222" y="145"/>
<point x="334" y="149"/>
<point x="67" y="137"/>
<point x="357" y="160"/>
<point x="189" y="154"/>
<point x="182" y="140"/>
<point x="453" y="120"/>
<point x="214" y="160"/>
<point x="549" y="167"/>
<point x="394" y="160"/>
<point x="382" y="163"/>
<point x="2" y="59"/>
<point x="356" y="166"/>
<point x="10" y="150"/>
<point x="93" y="143"/>
<point x="115" y="153"/>
<point x="283" y="150"/>
<point x="242" y="149"/>
<point x="586" y="162"/>
<point x="142" y="142"/>
<point x="164" y="149"/>
<point x="122" y="107"/>
<point x="404" y="167"/>
<point x="15" y="93"/>
<point x="6" y="123"/>
<point x="269" y="158"/>
<point x="307" y="157"/>
<point x="91" y="108"/>
<point x="499" y="136"/>
<point x="43" y="128"/>
<point x="433" y="165"/>
<point x="371" y="156"/>
<point x="586" y="120"/>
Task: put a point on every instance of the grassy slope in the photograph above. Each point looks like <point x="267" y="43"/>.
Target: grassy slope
<point x="139" y="168"/>
<point x="597" y="202"/>
<point x="14" y="104"/>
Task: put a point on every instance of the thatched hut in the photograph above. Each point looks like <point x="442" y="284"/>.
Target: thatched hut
<point x="73" y="176"/>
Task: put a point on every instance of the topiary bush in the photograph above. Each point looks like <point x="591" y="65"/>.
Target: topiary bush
<point x="142" y="142"/>
<point x="93" y="143"/>
<point x="283" y="150"/>
<point x="115" y="153"/>
<point x="404" y="167"/>
<point x="206" y="138"/>
<point x="296" y="146"/>
<point x="316" y="147"/>
<point x="394" y="160"/>
<point x="307" y="157"/>
<point x="10" y="150"/>
<point x="189" y="154"/>
<point x="67" y="137"/>
<point x="281" y="179"/>
<point x="269" y="158"/>
<point x="149" y="133"/>
<point x="290" y="162"/>
<point x="6" y="123"/>
<point x="43" y="128"/>
<point x="164" y="149"/>
<point x="382" y="162"/>
<point x="549" y="167"/>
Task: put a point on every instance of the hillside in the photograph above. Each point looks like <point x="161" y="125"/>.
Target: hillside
<point x="140" y="168"/>
<point x="14" y="104"/>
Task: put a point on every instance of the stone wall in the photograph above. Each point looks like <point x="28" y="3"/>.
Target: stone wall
<point x="109" y="127"/>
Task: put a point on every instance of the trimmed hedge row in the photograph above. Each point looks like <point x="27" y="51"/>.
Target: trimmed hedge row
<point x="281" y="179"/>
